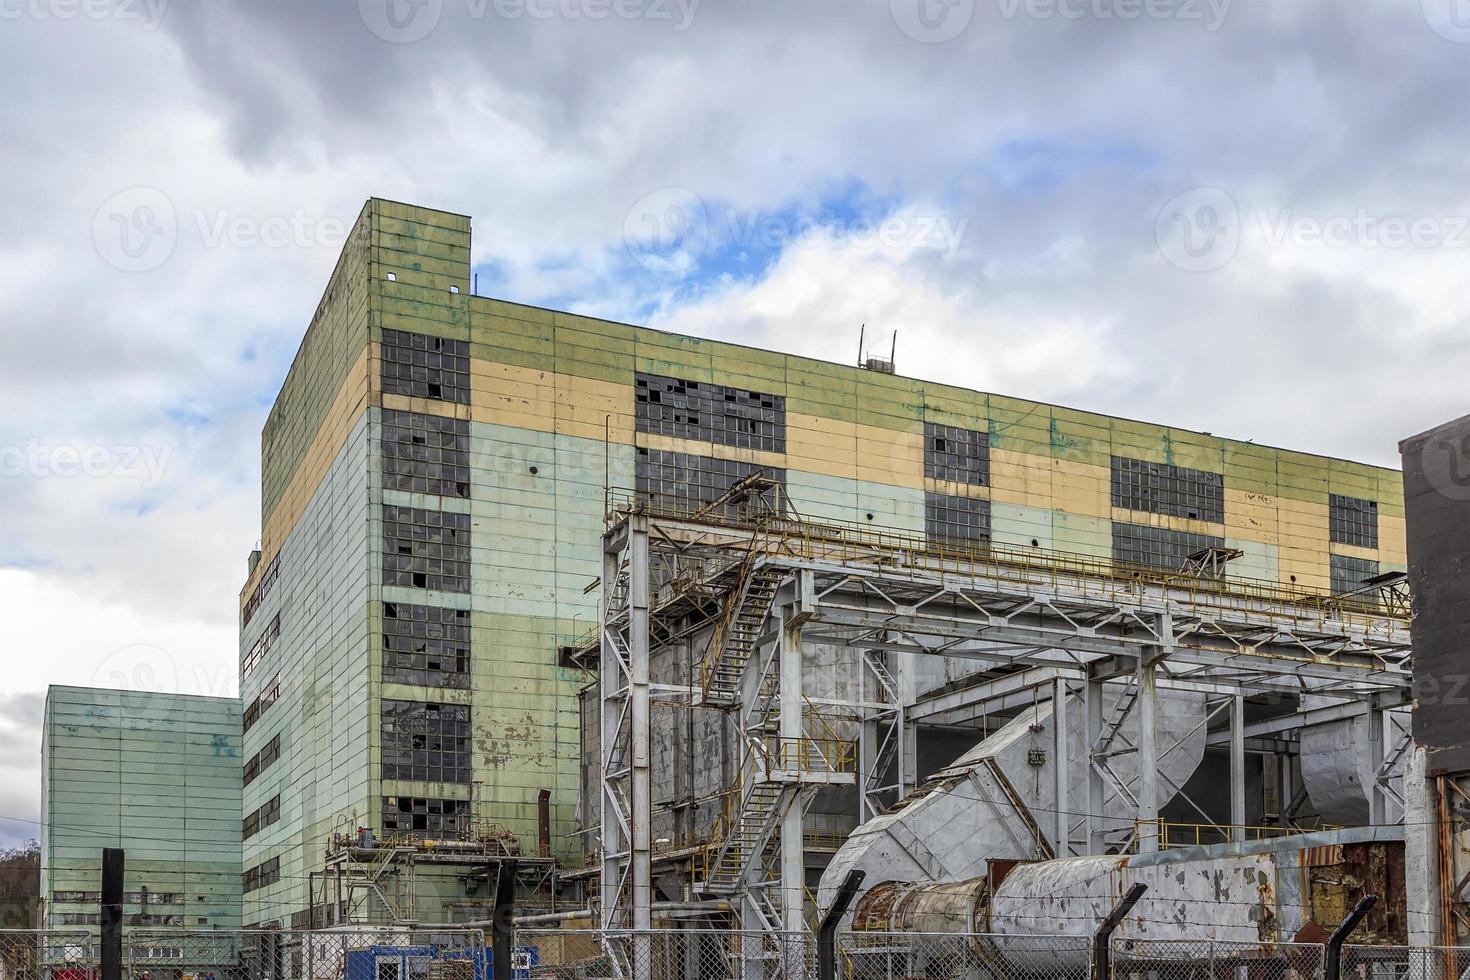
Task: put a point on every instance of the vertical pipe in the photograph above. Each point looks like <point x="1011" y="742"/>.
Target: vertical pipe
<point x="1237" y="767"/>
<point x="110" y="912"/>
<point x="1332" y="959"/>
<point x="827" y="930"/>
<point x="1148" y="772"/>
<point x="1093" y="706"/>
<point x="1061" y="847"/>
<point x="1102" y="939"/>
<point x="543" y="822"/>
<point x="503" y="932"/>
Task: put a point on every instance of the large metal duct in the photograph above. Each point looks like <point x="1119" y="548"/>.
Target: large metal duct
<point x="1338" y="768"/>
<point x="997" y="801"/>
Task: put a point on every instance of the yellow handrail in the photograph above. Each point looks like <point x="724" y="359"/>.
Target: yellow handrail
<point x="1175" y="833"/>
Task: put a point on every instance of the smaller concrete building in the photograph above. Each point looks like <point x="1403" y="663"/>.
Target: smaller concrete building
<point x="158" y="775"/>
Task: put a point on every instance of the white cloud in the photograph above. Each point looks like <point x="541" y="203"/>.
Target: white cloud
<point x="1056" y="142"/>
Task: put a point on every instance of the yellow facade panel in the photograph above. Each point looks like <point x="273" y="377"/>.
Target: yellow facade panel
<point x="1391" y="539"/>
<point x="889" y="456"/>
<point x="1354" y="551"/>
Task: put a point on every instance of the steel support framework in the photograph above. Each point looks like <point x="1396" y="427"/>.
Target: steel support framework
<point x="1071" y="628"/>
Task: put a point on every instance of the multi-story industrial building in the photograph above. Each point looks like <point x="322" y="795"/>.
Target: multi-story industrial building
<point x="157" y="775"/>
<point x="435" y="477"/>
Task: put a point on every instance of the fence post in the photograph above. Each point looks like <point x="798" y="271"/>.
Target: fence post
<point x="1332" y="961"/>
<point x="827" y="931"/>
<point x="111" y="917"/>
<point x="1102" y="939"/>
<point x="503" y="931"/>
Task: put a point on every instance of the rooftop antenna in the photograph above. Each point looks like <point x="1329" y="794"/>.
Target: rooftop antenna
<point x="876" y="362"/>
<point x="862" y="329"/>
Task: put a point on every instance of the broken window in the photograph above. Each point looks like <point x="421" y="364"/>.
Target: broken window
<point x="425" y="741"/>
<point x="261" y="761"/>
<point x="1349" y="574"/>
<point x="426" y="549"/>
<point x="709" y="412"/>
<point x="950" y="519"/>
<point x="258" y="707"/>
<point x="1158" y="547"/>
<point x="426" y="645"/>
<point x="261" y="647"/>
<point x="424" y="366"/>
<point x="1353" y="520"/>
<point x="426" y="454"/>
<point x="1160" y="488"/>
<point x="684" y="482"/>
<point x="420" y="815"/>
<point x="265" y="873"/>
<point x="261" y="590"/>
<point x="959" y="455"/>
<point x="263" y="816"/>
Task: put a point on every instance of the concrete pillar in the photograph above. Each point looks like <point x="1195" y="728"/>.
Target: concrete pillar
<point x="793" y="833"/>
<point x="1093" y="708"/>
<point x="1148" y="763"/>
<point x="1061" y="834"/>
<point x="1237" y="766"/>
<point x="1378" y="734"/>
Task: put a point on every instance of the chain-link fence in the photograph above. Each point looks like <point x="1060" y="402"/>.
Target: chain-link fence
<point x="726" y="955"/>
<point x="362" y="953"/>
<point x="32" y="954"/>
<point x="449" y="953"/>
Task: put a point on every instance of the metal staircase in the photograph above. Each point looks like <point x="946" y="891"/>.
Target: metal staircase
<point x="751" y="828"/>
<point x="734" y="642"/>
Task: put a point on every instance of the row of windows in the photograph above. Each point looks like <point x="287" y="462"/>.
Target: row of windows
<point x="423" y="366"/>
<point x="956" y="520"/>
<point x="426" y="454"/>
<point x="262" y="817"/>
<point x="960" y="455"/>
<point x="261" y="761"/>
<point x="261" y="646"/>
<point x="684" y="482"/>
<point x="1160" y="488"/>
<point x="1158" y="547"/>
<point x="414" y="814"/>
<point x="426" y="645"/>
<point x="1350" y="573"/>
<point x="129" y="898"/>
<point x="426" y="549"/>
<point x="425" y="741"/>
<point x="265" y="873"/>
<point x="132" y="919"/>
<point x="261" y="590"/>
<point x="1353" y="520"/>
<point x="709" y="412"/>
<point x="269" y="696"/>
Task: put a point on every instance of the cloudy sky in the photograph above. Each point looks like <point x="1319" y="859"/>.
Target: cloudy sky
<point x="1244" y="217"/>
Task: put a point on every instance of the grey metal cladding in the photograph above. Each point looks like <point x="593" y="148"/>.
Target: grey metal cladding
<point x="709" y="412"/>
<point x="1161" y="488"/>
<point x="1353" y="520"/>
<point x="424" y="366"/>
<point x="1158" y="547"/>
<point x="956" y="454"/>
